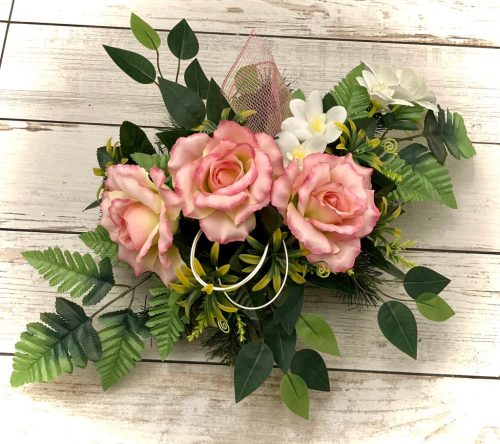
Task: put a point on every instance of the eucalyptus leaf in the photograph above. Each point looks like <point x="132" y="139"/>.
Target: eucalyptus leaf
<point x="144" y="33"/>
<point x="397" y="323"/>
<point x="195" y="79"/>
<point x="433" y="307"/>
<point x="316" y="333"/>
<point x="253" y="365"/>
<point x="281" y="344"/>
<point x="295" y="394"/>
<point x="182" y="41"/>
<point x="134" y="140"/>
<point x="184" y="106"/>
<point x="420" y="280"/>
<point x="311" y="367"/>
<point x="135" y="65"/>
<point x="288" y="312"/>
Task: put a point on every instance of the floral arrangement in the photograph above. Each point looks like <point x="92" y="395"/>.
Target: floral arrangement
<point x="253" y="192"/>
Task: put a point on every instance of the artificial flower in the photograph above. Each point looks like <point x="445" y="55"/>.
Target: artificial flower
<point x="328" y="206"/>
<point x="225" y="179"/>
<point x="292" y="149"/>
<point x="141" y="215"/>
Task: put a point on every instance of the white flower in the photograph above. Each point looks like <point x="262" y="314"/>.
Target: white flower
<point x="292" y="149"/>
<point x="388" y="85"/>
<point x="309" y="120"/>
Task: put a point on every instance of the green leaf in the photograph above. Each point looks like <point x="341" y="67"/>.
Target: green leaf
<point x="103" y="158"/>
<point x="184" y="106"/>
<point x="311" y="367"/>
<point x="340" y="282"/>
<point x="295" y="395"/>
<point x="288" y="312"/>
<point x="216" y="102"/>
<point x="254" y="364"/>
<point x="144" y="33"/>
<point x="98" y="240"/>
<point x="170" y="136"/>
<point x="270" y="218"/>
<point x="65" y="339"/>
<point x="281" y="344"/>
<point x="351" y="95"/>
<point x="148" y="161"/>
<point x="135" y="65"/>
<point x="433" y="136"/>
<point x="328" y="102"/>
<point x="433" y="307"/>
<point x="196" y="79"/>
<point x="398" y="325"/>
<point x="316" y="333"/>
<point x="134" y="140"/>
<point x="454" y="135"/>
<point x="73" y="273"/>
<point x="182" y="41"/>
<point x="121" y="347"/>
<point x="94" y="204"/>
<point x="428" y="172"/>
<point x="298" y="94"/>
<point x="164" y="321"/>
<point x="420" y="280"/>
<point x="403" y="117"/>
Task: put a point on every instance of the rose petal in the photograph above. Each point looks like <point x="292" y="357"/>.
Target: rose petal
<point x="219" y="227"/>
<point x="313" y="240"/>
<point x="185" y="150"/>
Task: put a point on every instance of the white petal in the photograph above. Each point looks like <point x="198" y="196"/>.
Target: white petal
<point x="427" y="105"/>
<point x="297" y="127"/>
<point x="332" y="133"/>
<point x="387" y="74"/>
<point x="362" y="82"/>
<point x="336" y="114"/>
<point x="370" y="79"/>
<point x="315" y="144"/>
<point x="401" y="102"/>
<point x="314" y="105"/>
<point x="287" y="140"/>
<point x="298" y="108"/>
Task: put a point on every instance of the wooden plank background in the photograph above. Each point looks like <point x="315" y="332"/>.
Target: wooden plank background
<point x="60" y="98"/>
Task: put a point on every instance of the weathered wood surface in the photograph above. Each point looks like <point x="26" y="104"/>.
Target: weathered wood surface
<point x="3" y="26"/>
<point x="162" y="403"/>
<point x="467" y="344"/>
<point x="5" y="10"/>
<point x="60" y="184"/>
<point x="63" y="73"/>
<point x="443" y="22"/>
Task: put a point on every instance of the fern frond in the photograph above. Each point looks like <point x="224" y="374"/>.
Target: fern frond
<point x="164" y="321"/>
<point x="64" y="339"/>
<point x="454" y="134"/>
<point x="73" y="273"/>
<point x="121" y="346"/>
<point x="98" y="241"/>
<point x="351" y="95"/>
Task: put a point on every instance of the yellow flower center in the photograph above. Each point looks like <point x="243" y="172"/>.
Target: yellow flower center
<point x="317" y="123"/>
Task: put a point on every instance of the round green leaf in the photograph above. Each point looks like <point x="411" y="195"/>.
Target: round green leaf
<point x="144" y="33"/>
<point x="182" y="41"/>
<point x="253" y="365"/>
<point x="135" y="65"/>
<point x="295" y="394"/>
<point x="434" y="307"/>
<point x="311" y="367"/>
<point x="317" y="334"/>
<point x="398" y="325"/>
<point x="420" y="280"/>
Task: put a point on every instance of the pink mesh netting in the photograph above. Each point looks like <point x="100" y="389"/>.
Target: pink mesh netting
<point x="254" y="83"/>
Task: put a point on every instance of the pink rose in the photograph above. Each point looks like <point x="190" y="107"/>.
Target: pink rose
<point x="224" y="179"/>
<point x="328" y="206"/>
<point x="141" y="215"/>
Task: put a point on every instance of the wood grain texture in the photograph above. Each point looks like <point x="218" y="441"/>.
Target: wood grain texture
<point x="5" y="9"/>
<point x="53" y="197"/>
<point x="3" y="27"/>
<point x="425" y="21"/>
<point x="63" y="74"/>
<point x="194" y="403"/>
<point x="467" y="344"/>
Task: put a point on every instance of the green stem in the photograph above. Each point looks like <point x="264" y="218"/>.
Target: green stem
<point x="121" y="295"/>
<point x="178" y="70"/>
<point x="158" y="61"/>
<point x="409" y="137"/>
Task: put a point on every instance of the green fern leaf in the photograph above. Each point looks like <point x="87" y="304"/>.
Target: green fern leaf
<point x="454" y="135"/>
<point x="98" y="241"/>
<point x="64" y="339"/>
<point x="429" y="180"/>
<point x="403" y="117"/>
<point x="121" y="346"/>
<point x="351" y="95"/>
<point x="164" y="323"/>
<point x="73" y="273"/>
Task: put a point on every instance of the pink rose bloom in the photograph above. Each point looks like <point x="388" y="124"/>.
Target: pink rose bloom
<point x="224" y="179"/>
<point x="328" y="206"/>
<point x="141" y="215"/>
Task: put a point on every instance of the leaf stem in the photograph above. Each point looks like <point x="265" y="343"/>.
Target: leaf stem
<point x="158" y="61"/>
<point x="124" y="293"/>
<point x="178" y="70"/>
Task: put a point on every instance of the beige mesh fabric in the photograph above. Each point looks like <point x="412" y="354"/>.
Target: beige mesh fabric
<point x="254" y="83"/>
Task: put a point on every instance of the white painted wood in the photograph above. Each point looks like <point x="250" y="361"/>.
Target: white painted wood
<point x="467" y="344"/>
<point x="3" y="27"/>
<point x="5" y="9"/>
<point x="194" y="403"/>
<point x="62" y="73"/>
<point x="425" y="21"/>
<point x="61" y="183"/>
